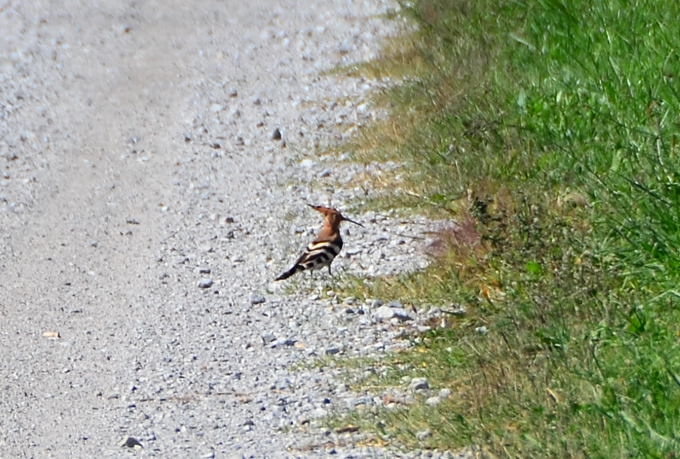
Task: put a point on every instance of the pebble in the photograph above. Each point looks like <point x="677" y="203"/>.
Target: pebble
<point x="457" y="310"/>
<point x="283" y="383"/>
<point x="333" y="350"/>
<point x="385" y="312"/>
<point x="483" y="330"/>
<point x="423" y="434"/>
<point x="268" y="337"/>
<point x="419" y="384"/>
<point x="257" y="298"/>
<point x="205" y="283"/>
<point x="284" y="342"/>
<point x="432" y="401"/>
<point x="131" y="442"/>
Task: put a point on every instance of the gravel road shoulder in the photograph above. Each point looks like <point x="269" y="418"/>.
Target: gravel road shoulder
<point x="146" y="205"/>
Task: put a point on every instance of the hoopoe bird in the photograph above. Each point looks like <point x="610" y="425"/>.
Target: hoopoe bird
<point x="327" y="245"/>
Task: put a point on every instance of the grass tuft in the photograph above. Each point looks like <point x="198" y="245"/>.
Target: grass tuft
<point x="549" y="130"/>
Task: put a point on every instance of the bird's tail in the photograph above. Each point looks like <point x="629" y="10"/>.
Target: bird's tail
<point x="290" y="272"/>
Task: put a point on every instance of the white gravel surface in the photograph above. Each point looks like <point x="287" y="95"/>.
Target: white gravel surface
<point x="145" y="208"/>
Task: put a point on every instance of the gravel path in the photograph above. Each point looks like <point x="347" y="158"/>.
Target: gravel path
<point x="145" y="208"/>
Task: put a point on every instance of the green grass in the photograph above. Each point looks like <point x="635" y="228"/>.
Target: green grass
<point x="550" y="132"/>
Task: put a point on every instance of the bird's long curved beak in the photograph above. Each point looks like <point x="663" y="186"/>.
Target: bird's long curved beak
<point x="352" y="221"/>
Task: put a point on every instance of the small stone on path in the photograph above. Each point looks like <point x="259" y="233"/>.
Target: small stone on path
<point x="384" y="313"/>
<point x="268" y="337"/>
<point x="257" y="298"/>
<point x="131" y="442"/>
<point x="205" y="283"/>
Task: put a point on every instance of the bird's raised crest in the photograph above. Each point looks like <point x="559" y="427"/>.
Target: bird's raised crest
<point x="327" y="245"/>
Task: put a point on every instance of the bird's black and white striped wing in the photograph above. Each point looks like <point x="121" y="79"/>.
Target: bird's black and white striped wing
<point x="320" y="253"/>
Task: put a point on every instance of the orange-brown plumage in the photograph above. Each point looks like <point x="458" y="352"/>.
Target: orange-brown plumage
<point x="322" y="250"/>
<point x="331" y="222"/>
